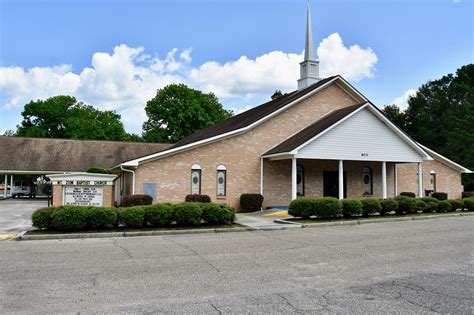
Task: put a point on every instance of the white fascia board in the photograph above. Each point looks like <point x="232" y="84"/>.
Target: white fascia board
<point x="278" y="156"/>
<point x="358" y="159"/>
<point x="399" y="132"/>
<point x="295" y="151"/>
<point x="136" y="162"/>
<point x="83" y="175"/>
<point x="349" y="89"/>
<point x="445" y="160"/>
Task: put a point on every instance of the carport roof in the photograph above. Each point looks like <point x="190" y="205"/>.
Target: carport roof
<point x="44" y="155"/>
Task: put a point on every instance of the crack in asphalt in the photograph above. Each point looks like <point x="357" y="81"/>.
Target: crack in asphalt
<point x="297" y="310"/>
<point x="193" y="251"/>
<point x="215" y="307"/>
<point x="123" y="249"/>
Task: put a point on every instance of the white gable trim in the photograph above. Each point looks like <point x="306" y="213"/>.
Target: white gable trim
<point x="375" y="111"/>
<point x="445" y="160"/>
<point x="161" y="154"/>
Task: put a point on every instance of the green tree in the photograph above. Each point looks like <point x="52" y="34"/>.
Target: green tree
<point x="63" y="117"/>
<point x="277" y="94"/>
<point x="178" y="111"/>
<point x="441" y="116"/>
<point x="396" y="115"/>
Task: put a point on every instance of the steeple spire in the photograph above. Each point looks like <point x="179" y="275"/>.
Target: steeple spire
<point x="308" y="48"/>
<point x="309" y="68"/>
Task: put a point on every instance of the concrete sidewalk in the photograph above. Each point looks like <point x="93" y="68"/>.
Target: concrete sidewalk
<point x="264" y="220"/>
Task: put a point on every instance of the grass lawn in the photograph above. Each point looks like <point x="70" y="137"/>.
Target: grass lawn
<point x="118" y="229"/>
<point x="374" y="217"/>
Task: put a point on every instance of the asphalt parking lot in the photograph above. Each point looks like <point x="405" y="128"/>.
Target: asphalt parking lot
<point x="15" y="214"/>
<point x="413" y="267"/>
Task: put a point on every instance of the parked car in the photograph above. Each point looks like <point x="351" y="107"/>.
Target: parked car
<point x="23" y="188"/>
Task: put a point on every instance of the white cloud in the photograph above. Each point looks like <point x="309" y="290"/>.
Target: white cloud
<point x="126" y="78"/>
<point x="402" y="101"/>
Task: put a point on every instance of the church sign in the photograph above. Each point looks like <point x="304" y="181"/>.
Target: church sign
<point x="83" y="196"/>
<point x="83" y="189"/>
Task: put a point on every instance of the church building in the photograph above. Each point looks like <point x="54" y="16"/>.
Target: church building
<point x="324" y="139"/>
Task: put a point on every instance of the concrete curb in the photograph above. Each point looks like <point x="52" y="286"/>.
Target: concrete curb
<point x="359" y="222"/>
<point x="23" y="237"/>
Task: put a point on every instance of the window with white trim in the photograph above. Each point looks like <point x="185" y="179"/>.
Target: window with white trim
<point x="299" y="180"/>
<point x="221" y="181"/>
<point x="367" y="181"/>
<point x="196" y="179"/>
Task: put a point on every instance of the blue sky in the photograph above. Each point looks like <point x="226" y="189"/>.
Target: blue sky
<point x="115" y="54"/>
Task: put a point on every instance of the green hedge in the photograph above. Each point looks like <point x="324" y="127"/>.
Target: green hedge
<point x="136" y="200"/>
<point x="456" y="204"/>
<point x="351" y="207"/>
<point x="420" y="205"/>
<point x="444" y="206"/>
<point x="251" y="202"/>
<point x="159" y="214"/>
<point x="301" y="207"/>
<point x="101" y="218"/>
<point x="131" y="216"/>
<point x="388" y="205"/>
<point x="469" y="203"/>
<point x="408" y="194"/>
<point x="440" y="195"/>
<point x="188" y="213"/>
<point x="213" y="213"/>
<point x="69" y="218"/>
<point x="41" y="218"/>
<point x="431" y="204"/>
<point x="405" y="204"/>
<point x="370" y="206"/>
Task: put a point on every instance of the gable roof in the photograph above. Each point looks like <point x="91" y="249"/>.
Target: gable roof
<point x="312" y="130"/>
<point x="310" y="133"/>
<point x="248" y="119"/>
<point x="36" y="155"/>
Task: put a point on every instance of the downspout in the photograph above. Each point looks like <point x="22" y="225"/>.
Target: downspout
<point x="133" y="178"/>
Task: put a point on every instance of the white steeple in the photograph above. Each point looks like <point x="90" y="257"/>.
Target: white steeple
<point x="309" y="68"/>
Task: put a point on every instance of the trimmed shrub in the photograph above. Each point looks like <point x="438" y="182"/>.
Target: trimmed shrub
<point x="136" y="200"/>
<point x="42" y="218"/>
<point x="370" y="206"/>
<point x="197" y="198"/>
<point x="98" y="170"/>
<point x="187" y="213"/>
<point x="408" y="194"/>
<point x="420" y="205"/>
<point x="440" y="195"/>
<point x="159" y="214"/>
<point x="388" y="205"/>
<point x="431" y="204"/>
<point x="444" y="206"/>
<point x="301" y="207"/>
<point x="456" y="204"/>
<point x="69" y="218"/>
<point x="100" y="218"/>
<point x="213" y="213"/>
<point x="405" y="204"/>
<point x="326" y="207"/>
<point x="251" y="202"/>
<point x="131" y="216"/>
<point x="351" y="207"/>
<point x="469" y="204"/>
<point x="467" y="194"/>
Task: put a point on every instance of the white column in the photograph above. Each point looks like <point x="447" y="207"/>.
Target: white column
<point x="384" y="180"/>
<point x="293" y="178"/>
<point x="420" y="179"/>
<point x="341" y="179"/>
<point x="396" y="179"/>
<point x="6" y="186"/>
<point x="11" y="184"/>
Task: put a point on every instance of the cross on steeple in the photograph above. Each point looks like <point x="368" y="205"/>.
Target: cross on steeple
<point x="309" y="68"/>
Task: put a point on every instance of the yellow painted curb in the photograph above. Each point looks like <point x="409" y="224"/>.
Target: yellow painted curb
<point x="4" y="237"/>
<point x="278" y="213"/>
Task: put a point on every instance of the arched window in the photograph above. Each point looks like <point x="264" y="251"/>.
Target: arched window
<point x="196" y="179"/>
<point x="221" y="180"/>
<point x="299" y="180"/>
<point x="367" y="181"/>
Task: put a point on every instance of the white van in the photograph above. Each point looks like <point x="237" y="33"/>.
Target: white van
<point x="23" y="188"/>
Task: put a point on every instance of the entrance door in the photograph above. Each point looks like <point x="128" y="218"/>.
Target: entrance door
<point x="331" y="184"/>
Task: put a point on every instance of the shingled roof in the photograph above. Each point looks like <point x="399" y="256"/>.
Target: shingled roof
<point x="65" y="155"/>
<point x="248" y="117"/>
<point x="313" y="130"/>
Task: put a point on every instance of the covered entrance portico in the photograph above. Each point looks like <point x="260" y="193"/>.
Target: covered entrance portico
<point x="351" y="152"/>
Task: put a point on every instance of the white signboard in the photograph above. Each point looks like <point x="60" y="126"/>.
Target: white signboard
<point x="83" y="196"/>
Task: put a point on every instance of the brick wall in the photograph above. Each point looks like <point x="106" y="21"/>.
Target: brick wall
<point x="448" y="180"/>
<point x="239" y="154"/>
